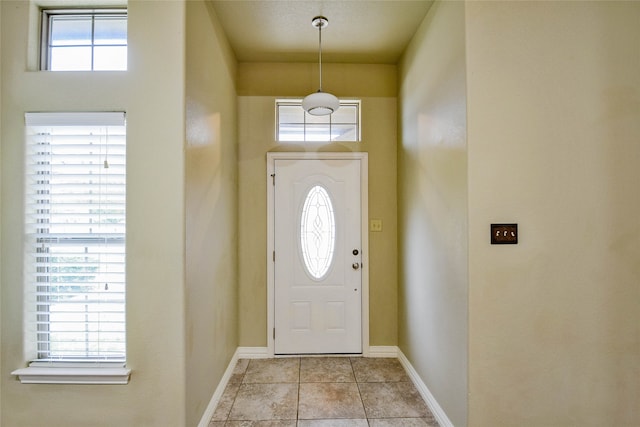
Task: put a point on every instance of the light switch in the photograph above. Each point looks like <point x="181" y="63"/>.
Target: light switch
<point x="504" y="234"/>
<point x="375" y="225"/>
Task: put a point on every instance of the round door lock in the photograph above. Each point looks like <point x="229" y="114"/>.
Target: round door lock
<point x="355" y="252"/>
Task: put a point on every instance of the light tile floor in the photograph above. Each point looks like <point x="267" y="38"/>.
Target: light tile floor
<point x="321" y="392"/>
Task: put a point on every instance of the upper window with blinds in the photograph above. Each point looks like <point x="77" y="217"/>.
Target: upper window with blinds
<point x="293" y="124"/>
<point x="75" y="225"/>
<point x="84" y="40"/>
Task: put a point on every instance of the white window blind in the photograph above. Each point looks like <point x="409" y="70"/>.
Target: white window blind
<point x="75" y="223"/>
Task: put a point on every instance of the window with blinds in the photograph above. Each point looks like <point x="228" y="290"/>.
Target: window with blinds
<point x="75" y="220"/>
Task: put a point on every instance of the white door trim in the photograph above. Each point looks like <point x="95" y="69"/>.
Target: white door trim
<point x="364" y="200"/>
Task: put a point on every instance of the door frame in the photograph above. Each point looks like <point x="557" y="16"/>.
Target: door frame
<point x="364" y="220"/>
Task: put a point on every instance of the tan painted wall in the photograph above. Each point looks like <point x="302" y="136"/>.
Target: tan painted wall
<point x="1" y="202"/>
<point x="259" y="85"/>
<point x="300" y="79"/>
<point x="211" y="207"/>
<point x="433" y="214"/>
<point x="152" y="94"/>
<point x="553" y="131"/>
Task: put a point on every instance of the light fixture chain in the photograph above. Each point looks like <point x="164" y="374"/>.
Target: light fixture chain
<point x="320" y="52"/>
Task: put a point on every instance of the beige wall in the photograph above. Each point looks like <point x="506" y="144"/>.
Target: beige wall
<point x="433" y="207"/>
<point x="553" y="131"/>
<point x="211" y="208"/>
<point x="1" y="203"/>
<point x="155" y="220"/>
<point x="553" y="124"/>
<point x="259" y="85"/>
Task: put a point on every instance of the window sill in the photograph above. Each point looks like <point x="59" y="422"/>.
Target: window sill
<point x="73" y="375"/>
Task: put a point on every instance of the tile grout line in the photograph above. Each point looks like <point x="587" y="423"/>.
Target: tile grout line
<point x="298" y="403"/>
<point x="355" y="378"/>
<point x="235" y="396"/>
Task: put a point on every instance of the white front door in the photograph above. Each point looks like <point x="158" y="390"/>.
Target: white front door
<point x="317" y="256"/>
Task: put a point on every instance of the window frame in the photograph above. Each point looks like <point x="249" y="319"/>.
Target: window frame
<point x="298" y="102"/>
<point x="94" y="367"/>
<point x="47" y="14"/>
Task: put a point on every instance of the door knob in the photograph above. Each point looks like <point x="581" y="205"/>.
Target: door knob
<point x="355" y="265"/>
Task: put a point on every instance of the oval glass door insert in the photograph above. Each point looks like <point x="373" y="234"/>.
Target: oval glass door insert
<point x="317" y="232"/>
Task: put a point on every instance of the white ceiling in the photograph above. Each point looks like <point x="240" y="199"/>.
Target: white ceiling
<point x="359" y="31"/>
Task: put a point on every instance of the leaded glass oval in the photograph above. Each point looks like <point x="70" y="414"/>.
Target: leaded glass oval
<point x="317" y="232"/>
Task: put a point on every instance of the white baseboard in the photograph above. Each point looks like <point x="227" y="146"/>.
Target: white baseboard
<point x="383" y="351"/>
<point x="432" y="403"/>
<point x="217" y="394"/>
<point x="263" y="352"/>
<point x="253" y="353"/>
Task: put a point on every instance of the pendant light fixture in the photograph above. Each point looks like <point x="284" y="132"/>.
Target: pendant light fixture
<point x="320" y="103"/>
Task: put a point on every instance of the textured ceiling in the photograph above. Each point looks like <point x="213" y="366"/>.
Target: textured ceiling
<point x="359" y="31"/>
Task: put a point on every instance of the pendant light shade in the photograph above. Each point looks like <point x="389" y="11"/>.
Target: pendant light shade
<point x="320" y="103"/>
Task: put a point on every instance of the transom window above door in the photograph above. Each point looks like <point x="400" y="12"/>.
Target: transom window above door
<point x="293" y="124"/>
